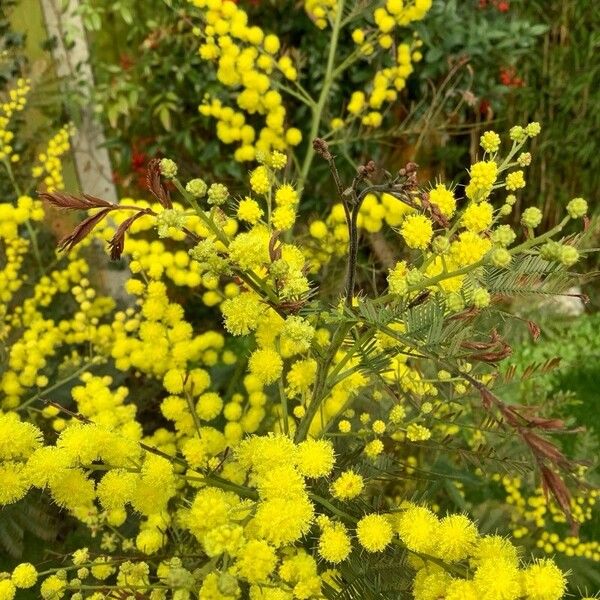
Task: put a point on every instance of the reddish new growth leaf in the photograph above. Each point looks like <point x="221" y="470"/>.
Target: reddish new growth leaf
<point x="87" y="202"/>
<point x="155" y="184"/>
<point x="534" y="329"/>
<point x="549" y="459"/>
<point x="553" y="484"/>
<point x="69" y="202"/>
<point x="493" y="351"/>
<point x="117" y="242"/>
<point x="82" y="230"/>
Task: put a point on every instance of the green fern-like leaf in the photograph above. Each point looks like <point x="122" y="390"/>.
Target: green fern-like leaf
<point x="31" y="515"/>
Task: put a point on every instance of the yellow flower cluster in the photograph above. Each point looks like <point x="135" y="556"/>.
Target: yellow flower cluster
<point x="14" y="246"/>
<point x="496" y="572"/>
<point x="532" y="516"/>
<point x="386" y="83"/>
<point x="254" y="525"/>
<point x="475" y="239"/>
<point x="50" y="164"/>
<point x="321" y="12"/>
<point x="276" y="416"/>
<point x="251" y="64"/>
<point x="34" y="336"/>
<point x="246" y="60"/>
<point x="15" y="102"/>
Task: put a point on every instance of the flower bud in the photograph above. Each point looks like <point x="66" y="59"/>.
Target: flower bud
<point x="550" y="251"/>
<point x="197" y="188"/>
<point x="568" y="255"/>
<point x="577" y="208"/>
<point x="217" y="194"/>
<point x="533" y="129"/>
<point x="531" y="217"/>
<point x="481" y="298"/>
<point x="501" y="257"/>
<point x="455" y="302"/>
<point x="504" y="235"/>
<point x="440" y="244"/>
<point x="168" y="168"/>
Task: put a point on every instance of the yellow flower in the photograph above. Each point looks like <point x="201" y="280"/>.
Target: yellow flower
<point x="490" y="141"/>
<point x="444" y="199"/>
<point x="266" y="364"/>
<point x="477" y="217"/>
<point x="543" y="580"/>
<point x="334" y="543"/>
<point x="24" y="575"/>
<point x="347" y="486"/>
<point x="315" y="458"/>
<point x="417" y="231"/>
<point x="374" y="532"/>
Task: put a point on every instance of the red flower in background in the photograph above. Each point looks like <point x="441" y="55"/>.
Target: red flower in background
<point x="485" y="108"/>
<point x="135" y="173"/>
<point x="500" y="5"/>
<point x="508" y="77"/>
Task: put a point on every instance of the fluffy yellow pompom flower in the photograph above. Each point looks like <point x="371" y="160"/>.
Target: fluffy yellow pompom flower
<point x="348" y="485"/>
<point x="374" y="448"/>
<point x="150" y="541"/>
<point x="286" y="195"/>
<point x="260" y="180"/>
<point x="256" y="561"/>
<point x="53" y="588"/>
<point x="544" y="581"/>
<point x="266" y="364"/>
<point x="283" y="218"/>
<point x="456" y="538"/>
<point x="417" y="231"/>
<point x="209" y="406"/>
<point x="492" y="547"/>
<point x="271" y="44"/>
<point x="431" y="583"/>
<point x="13" y="483"/>
<point x="478" y="216"/>
<point x="334" y="543"/>
<point x="173" y="381"/>
<point x="315" y="458"/>
<point x="444" y="199"/>
<point x="515" y="181"/>
<point x="24" y="575"/>
<point x="417" y="527"/>
<point x="17" y="439"/>
<point x="374" y="532"/>
<point x="282" y="521"/>
<point x="293" y="136"/>
<point x="241" y="313"/>
<point x="417" y="433"/>
<point x="483" y="175"/>
<point x="469" y="248"/>
<point x="7" y="589"/>
<point x="497" y="579"/>
<point x="249" y="211"/>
